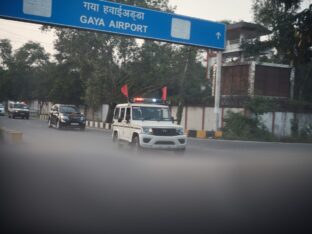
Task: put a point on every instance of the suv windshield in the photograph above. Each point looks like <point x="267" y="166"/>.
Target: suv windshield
<point x="68" y="109"/>
<point x="150" y="113"/>
<point x="20" y="106"/>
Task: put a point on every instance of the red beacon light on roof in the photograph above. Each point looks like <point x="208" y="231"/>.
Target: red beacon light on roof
<point x="147" y="100"/>
<point x="138" y="99"/>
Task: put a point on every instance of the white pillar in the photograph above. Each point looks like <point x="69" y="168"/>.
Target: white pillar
<point x="218" y="90"/>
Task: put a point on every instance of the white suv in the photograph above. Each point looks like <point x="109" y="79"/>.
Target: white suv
<point x="147" y="125"/>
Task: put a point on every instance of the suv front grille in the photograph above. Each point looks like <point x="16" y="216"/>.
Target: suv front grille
<point x="164" y="143"/>
<point x="164" y="132"/>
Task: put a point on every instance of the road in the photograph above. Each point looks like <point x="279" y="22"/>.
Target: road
<point x="68" y="181"/>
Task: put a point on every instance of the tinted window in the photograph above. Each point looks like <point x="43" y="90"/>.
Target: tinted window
<point x="128" y="113"/>
<point x="151" y="113"/>
<point x="68" y="109"/>
<point x="122" y="114"/>
<point x="116" y="114"/>
<point x="20" y="106"/>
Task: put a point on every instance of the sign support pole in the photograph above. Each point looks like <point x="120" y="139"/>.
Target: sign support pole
<point x="218" y="91"/>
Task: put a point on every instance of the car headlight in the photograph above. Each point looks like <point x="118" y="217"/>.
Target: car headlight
<point x="64" y="117"/>
<point x="82" y="118"/>
<point x="148" y="131"/>
<point x="180" y="131"/>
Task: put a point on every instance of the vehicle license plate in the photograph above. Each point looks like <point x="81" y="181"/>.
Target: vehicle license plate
<point x="74" y="124"/>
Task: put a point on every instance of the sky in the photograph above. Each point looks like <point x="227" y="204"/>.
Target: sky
<point x="19" y="33"/>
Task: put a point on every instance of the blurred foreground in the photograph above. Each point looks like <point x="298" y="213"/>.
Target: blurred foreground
<point x="79" y="182"/>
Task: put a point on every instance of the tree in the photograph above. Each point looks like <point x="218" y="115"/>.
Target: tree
<point x="26" y="69"/>
<point x="5" y="63"/>
<point x="5" y="54"/>
<point x="64" y="84"/>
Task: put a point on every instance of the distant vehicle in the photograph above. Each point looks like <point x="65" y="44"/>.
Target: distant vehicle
<point x="62" y="115"/>
<point x="147" y="123"/>
<point x="18" y="109"/>
<point x="2" y="111"/>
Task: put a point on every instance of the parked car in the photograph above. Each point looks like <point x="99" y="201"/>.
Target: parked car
<point x="2" y="110"/>
<point x="18" y="109"/>
<point x="63" y="115"/>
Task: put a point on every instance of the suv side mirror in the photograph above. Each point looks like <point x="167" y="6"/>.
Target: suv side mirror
<point x="172" y="119"/>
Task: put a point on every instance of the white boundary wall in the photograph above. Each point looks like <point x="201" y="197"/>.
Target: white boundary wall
<point x="203" y="118"/>
<point x="278" y="123"/>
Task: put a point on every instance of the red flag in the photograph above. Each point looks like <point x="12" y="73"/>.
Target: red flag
<point x="164" y="93"/>
<point x="124" y="90"/>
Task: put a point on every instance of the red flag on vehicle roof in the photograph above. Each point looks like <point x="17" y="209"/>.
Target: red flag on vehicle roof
<point x="124" y="90"/>
<point x="164" y="93"/>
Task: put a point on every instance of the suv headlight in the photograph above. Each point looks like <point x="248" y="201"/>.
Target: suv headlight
<point x="180" y="131"/>
<point x="82" y="118"/>
<point x="148" y="131"/>
<point x="64" y="117"/>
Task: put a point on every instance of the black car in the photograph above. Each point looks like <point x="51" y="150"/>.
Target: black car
<point x="62" y="115"/>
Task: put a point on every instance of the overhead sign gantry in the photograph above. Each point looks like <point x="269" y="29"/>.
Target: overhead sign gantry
<point x="110" y="17"/>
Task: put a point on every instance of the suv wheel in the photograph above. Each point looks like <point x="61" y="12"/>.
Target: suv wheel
<point x="49" y="123"/>
<point x="136" y="143"/>
<point x="115" y="137"/>
<point x="58" y="126"/>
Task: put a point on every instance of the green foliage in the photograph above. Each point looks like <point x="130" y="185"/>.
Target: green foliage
<point x="63" y="85"/>
<point x="5" y="53"/>
<point x="299" y="135"/>
<point x="238" y="126"/>
<point x="249" y="127"/>
<point x="294" y="128"/>
<point x="306" y="133"/>
<point x="260" y="105"/>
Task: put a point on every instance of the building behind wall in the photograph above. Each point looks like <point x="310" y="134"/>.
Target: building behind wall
<point x="256" y="79"/>
<point x="237" y="33"/>
<point x="246" y="76"/>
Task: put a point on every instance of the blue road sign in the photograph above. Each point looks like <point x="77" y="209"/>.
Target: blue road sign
<point x="104" y="16"/>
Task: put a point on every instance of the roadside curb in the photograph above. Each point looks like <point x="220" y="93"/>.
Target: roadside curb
<point x="201" y="134"/>
<point x="99" y="125"/>
<point x="90" y="124"/>
<point x="44" y="117"/>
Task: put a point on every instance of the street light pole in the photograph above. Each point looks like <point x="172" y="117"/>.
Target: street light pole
<point x="218" y="91"/>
